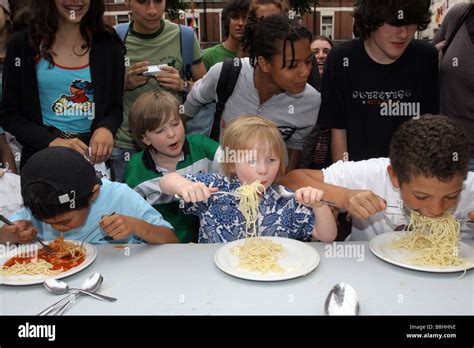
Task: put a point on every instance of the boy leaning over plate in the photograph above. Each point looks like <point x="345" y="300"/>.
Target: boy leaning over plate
<point x="62" y="193"/>
<point x="427" y="171"/>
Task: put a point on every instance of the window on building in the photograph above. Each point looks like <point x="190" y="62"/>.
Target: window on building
<point x="327" y="26"/>
<point x="123" y="18"/>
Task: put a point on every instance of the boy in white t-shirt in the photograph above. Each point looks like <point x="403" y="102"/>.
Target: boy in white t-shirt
<point x="427" y="171"/>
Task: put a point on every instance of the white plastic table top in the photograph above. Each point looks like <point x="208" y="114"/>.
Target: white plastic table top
<point x="183" y="280"/>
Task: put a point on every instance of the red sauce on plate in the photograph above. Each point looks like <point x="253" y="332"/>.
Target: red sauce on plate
<point x="64" y="263"/>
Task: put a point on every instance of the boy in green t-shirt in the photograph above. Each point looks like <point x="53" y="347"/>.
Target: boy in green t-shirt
<point x="156" y="125"/>
<point x="234" y="18"/>
<point x="151" y="40"/>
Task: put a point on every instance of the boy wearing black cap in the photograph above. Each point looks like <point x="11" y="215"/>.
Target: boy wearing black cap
<point x="61" y="193"/>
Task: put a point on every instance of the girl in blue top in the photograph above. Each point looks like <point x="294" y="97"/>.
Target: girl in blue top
<point x="63" y="79"/>
<point x="253" y="150"/>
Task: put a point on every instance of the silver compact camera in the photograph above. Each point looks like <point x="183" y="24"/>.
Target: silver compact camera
<point x="153" y="70"/>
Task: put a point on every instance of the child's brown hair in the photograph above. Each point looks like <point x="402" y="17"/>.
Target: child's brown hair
<point x="283" y="5"/>
<point x="151" y="110"/>
<point x="244" y="132"/>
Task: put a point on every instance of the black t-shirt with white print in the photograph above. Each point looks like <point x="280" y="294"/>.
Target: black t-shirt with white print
<point x="371" y="100"/>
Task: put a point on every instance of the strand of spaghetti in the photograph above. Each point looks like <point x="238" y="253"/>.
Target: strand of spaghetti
<point x="67" y="254"/>
<point x="435" y="241"/>
<point x="34" y="267"/>
<point x="259" y="255"/>
<point x="248" y="205"/>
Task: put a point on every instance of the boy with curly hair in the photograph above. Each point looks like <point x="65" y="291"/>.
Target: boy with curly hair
<point x="427" y="170"/>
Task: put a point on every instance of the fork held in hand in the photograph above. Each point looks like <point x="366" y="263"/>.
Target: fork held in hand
<point x="47" y="248"/>
<point x="94" y="230"/>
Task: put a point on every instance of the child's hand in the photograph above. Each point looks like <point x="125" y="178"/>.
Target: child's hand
<point x="101" y="145"/>
<point x="117" y="226"/>
<point x="309" y="196"/>
<point x="363" y="203"/>
<point x="22" y="231"/>
<point x="196" y="192"/>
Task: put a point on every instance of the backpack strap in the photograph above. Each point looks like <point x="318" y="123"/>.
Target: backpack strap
<point x="225" y="87"/>
<point x="187" y="50"/>
<point x="122" y="30"/>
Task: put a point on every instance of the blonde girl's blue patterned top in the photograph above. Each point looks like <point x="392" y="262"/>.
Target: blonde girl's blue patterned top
<point x="221" y="221"/>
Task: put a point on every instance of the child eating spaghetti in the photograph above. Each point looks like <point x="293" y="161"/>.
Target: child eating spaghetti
<point x="253" y="157"/>
<point x="62" y="194"/>
<point x="427" y="172"/>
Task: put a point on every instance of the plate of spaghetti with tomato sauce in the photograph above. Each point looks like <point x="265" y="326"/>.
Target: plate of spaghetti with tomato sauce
<point x="31" y="264"/>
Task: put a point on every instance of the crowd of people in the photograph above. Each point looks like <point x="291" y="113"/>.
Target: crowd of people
<point x="89" y="137"/>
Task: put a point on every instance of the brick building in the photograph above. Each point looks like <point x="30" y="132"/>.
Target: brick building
<point x="332" y="18"/>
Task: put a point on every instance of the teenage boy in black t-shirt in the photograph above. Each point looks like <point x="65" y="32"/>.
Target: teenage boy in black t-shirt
<point x="373" y="84"/>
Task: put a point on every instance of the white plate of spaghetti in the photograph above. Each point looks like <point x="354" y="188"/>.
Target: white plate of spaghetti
<point x="29" y="264"/>
<point x="387" y="246"/>
<point x="267" y="258"/>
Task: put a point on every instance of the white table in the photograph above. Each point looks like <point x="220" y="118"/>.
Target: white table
<point x="183" y="279"/>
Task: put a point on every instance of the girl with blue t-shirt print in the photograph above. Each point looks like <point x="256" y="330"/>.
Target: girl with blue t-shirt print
<point x="63" y="80"/>
<point x="253" y="149"/>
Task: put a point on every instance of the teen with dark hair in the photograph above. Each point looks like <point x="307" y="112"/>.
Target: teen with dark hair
<point x="62" y="194"/>
<point x="272" y="82"/>
<point x="427" y="171"/>
<point x="373" y="84"/>
<point x="234" y="17"/>
<point x="321" y="46"/>
<point x="63" y="79"/>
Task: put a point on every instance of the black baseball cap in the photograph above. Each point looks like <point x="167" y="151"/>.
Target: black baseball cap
<point x="62" y="168"/>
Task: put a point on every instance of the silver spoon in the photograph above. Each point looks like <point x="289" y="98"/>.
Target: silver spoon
<point x="342" y="300"/>
<point x="58" y="287"/>
<point x="90" y="284"/>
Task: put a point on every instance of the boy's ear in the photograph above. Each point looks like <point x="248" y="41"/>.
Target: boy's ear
<point x="146" y="141"/>
<point x="393" y="176"/>
<point x="263" y="64"/>
<point x="95" y="192"/>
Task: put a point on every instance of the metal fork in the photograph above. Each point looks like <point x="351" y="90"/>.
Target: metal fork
<point x="94" y="230"/>
<point x="46" y="247"/>
<point x="236" y="195"/>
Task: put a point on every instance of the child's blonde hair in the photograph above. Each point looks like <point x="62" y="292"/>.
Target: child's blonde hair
<point x="151" y="110"/>
<point x="244" y="132"/>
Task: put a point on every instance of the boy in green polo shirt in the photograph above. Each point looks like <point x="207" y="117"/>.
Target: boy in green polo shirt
<point x="156" y="126"/>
